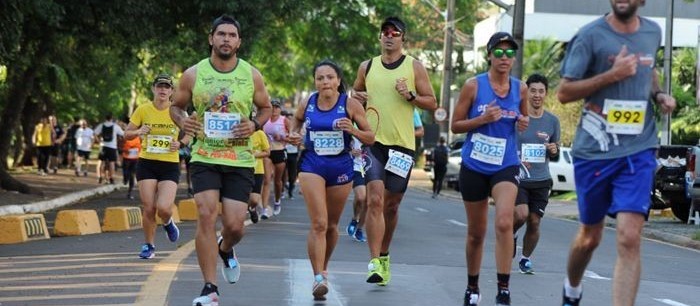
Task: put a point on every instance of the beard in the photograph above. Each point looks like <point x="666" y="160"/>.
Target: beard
<point x="224" y="56"/>
<point x="625" y="14"/>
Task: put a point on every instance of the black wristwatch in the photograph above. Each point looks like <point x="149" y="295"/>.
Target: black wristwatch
<point x="257" y="125"/>
<point x="412" y="96"/>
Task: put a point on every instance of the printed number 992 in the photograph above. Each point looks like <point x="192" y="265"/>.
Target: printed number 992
<point x="625" y="116"/>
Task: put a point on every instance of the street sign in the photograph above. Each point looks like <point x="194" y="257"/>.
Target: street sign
<point x="440" y="114"/>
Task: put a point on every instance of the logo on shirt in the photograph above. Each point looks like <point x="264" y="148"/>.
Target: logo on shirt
<point x="341" y="110"/>
<point x="310" y="108"/>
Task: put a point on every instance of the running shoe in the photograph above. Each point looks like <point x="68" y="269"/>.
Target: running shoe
<point x="503" y="297"/>
<point x="568" y="301"/>
<point x="352" y="227"/>
<point x="231" y="269"/>
<point x="359" y="236"/>
<point x="277" y="208"/>
<point x="211" y="299"/>
<point x="472" y="297"/>
<point x="386" y="267"/>
<point x="253" y="215"/>
<point x="320" y="288"/>
<point x="526" y="266"/>
<point x="148" y="251"/>
<point x="375" y="270"/>
<point x="265" y="214"/>
<point x="172" y="231"/>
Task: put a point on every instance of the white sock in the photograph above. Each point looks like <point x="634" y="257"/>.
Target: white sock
<point x="169" y="221"/>
<point x="524" y="257"/>
<point x="571" y="291"/>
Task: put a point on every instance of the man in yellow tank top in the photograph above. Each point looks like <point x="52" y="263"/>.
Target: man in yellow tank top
<point x="392" y="85"/>
<point x="223" y="90"/>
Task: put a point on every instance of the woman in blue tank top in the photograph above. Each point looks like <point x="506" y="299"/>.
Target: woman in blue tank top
<point x="492" y="107"/>
<point x="328" y="117"/>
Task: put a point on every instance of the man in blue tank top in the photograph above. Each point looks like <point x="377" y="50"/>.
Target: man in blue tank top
<point x="490" y="108"/>
<point x="610" y="65"/>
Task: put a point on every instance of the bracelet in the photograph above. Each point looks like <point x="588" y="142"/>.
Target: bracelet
<point x="256" y="123"/>
<point x="656" y="94"/>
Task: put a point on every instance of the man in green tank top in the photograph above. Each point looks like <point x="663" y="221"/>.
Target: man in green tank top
<point x="223" y="90"/>
<point x="392" y="85"/>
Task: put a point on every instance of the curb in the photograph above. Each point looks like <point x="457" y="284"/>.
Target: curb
<point x="64" y="200"/>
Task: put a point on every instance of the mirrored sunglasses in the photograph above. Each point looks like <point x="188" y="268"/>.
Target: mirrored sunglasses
<point x="498" y="53"/>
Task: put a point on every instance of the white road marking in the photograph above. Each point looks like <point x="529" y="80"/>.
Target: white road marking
<point x="670" y="302"/>
<point x="593" y="275"/>
<point x="421" y="209"/>
<point x="455" y="222"/>
<point x="300" y="280"/>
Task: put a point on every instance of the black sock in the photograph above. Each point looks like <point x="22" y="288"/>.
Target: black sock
<point x="383" y="254"/>
<point x="503" y="280"/>
<point x="209" y="288"/>
<point x="473" y="282"/>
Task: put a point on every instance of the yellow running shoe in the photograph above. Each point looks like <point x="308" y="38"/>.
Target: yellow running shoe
<point x="375" y="271"/>
<point x="386" y="268"/>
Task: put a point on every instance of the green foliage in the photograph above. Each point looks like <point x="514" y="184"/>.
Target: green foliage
<point x="543" y="57"/>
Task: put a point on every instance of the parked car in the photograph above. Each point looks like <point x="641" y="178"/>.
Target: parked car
<point x="456" y="144"/>
<point x="672" y="181"/>
<point x="693" y="183"/>
<point x="561" y="170"/>
<point x="454" y="160"/>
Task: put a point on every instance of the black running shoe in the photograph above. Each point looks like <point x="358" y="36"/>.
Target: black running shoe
<point x="567" y="301"/>
<point x="503" y="297"/>
<point x="471" y="297"/>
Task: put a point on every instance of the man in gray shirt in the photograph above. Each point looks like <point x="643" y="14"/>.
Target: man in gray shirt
<point x="610" y="64"/>
<point x="537" y="145"/>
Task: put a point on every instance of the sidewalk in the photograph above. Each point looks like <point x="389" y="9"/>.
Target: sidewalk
<point x="667" y="229"/>
<point x="60" y="189"/>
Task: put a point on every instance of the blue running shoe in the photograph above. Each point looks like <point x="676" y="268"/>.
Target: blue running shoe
<point x="148" y="251"/>
<point x="232" y="268"/>
<point x="526" y="266"/>
<point x="359" y="236"/>
<point x="172" y="231"/>
<point x="352" y="227"/>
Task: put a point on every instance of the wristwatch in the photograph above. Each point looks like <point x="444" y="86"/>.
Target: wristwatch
<point x="257" y="125"/>
<point x="412" y="96"/>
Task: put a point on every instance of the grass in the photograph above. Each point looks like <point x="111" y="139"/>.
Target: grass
<point x="696" y="236"/>
<point x="566" y="196"/>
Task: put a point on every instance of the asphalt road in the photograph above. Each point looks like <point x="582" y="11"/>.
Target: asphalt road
<point x="427" y="257"/>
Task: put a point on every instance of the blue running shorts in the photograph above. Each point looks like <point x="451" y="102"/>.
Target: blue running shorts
<point x="335" y="169"/>
<point x="610" y="186"/>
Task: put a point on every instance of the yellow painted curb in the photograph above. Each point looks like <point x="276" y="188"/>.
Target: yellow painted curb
<point x="22" y="228"/>
<point x="122" y="218"/>
<point x="175" y="215"/>
<point x="662" y="213"/>
<point x="76" y="222"/>
<point x="188" y="209"/>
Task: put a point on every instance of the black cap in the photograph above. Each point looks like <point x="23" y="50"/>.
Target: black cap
<point x="163" y="79"/>
<point x="499" y="37"/>
<point x="276" y="103"/>
<point x="396" y="22"/>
